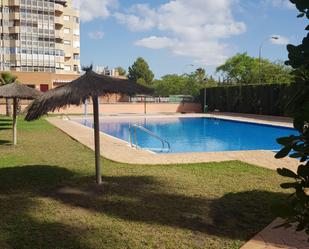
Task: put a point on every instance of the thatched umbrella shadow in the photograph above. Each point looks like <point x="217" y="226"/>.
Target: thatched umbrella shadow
<point x="89" y="85"/>
<point x="17" y="91"/>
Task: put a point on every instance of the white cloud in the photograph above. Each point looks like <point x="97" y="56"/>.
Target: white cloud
<point x="195" y="28"/>
<point x="91" y="9"/>
<point x="145" y="21"/>
<point x="96" y="35"/>
<point x="279" y="3"/>
<point x="155" y="42"/>
<point x="280" y="41"/>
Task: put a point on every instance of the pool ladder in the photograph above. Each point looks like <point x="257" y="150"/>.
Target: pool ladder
<point x="133" y="136"/>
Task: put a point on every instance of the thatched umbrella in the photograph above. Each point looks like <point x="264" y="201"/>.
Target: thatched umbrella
<point x="90" y="85"/>
<point x="17" y="91"/>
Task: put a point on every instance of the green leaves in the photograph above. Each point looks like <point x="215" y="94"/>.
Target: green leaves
<point x="7" y="78"/>
<point x="301" y="15"/>
<point x="287" y="173"/>
<point x="289" y="185"/>
<point x="286" y="141"/>
<point x="140" y="72"/>
<point x="303" y="171"/>
<point x="283" y="152"/>
<point x="177" y="85"/>
<point x="245" y="69"/>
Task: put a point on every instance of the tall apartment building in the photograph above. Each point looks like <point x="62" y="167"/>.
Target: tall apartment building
<point x="40" y="36"/>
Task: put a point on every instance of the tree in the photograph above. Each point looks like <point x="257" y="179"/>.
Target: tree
<point x="173" y="84"/>
<point x="298" y="146"/>
<point x="121" y="71"/>
<point x="140" y="72"/>
<point x="244" y="69"/>
<point x="203" y="79"/>
<point x="200" y="75"/>
<point x="7" y="78"/>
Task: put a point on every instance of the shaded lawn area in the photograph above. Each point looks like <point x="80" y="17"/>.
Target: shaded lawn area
<point x="48" y="198"/>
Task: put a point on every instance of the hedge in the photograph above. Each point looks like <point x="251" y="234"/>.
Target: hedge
<point x="270" y="99"/>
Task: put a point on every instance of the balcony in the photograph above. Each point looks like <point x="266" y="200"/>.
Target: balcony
<point x="15" y="57"/>
<point x="59" y="34"/>
<point x="14" y="2"/>
<point x="67" y="54"/>
<point x="59" y="8"/>
<point x="59" y="46"/>
<point x="14" y="30"/>
<point x="59" y="60"/>
<point x="14" y="43"/>
<point x="14" y="16"/>
<point x="59" y="20"/>
<point x="76" y="50"/>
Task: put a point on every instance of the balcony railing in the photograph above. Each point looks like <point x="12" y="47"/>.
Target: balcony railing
<point x="59" y="8"/>
<point x="59" y="20"/>
<point x="14" y="16"/>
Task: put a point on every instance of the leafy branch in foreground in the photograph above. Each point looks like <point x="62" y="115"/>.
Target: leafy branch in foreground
<point x="298" y="146"/>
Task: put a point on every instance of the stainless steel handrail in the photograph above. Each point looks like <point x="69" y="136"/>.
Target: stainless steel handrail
<point x="134" y="127"/>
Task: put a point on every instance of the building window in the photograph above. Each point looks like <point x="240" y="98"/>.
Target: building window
<point x="76" y="19"/>
<point x="76" y="32"/>
<point x="67" y="68"/>
<point x="67" y="42"/>
<point x="66" y="31"/>
<point x="76" y="56"/>
<point x="66" y="18"/>
<point x="76" y="44"/>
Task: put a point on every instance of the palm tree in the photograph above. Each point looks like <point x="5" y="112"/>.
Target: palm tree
<point x="7" y="78"/>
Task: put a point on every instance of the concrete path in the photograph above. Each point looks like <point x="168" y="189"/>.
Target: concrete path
<point x="270" y="238"/>
<point x="120" y="151"/>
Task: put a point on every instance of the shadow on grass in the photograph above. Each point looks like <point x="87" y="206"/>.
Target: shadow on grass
<point x="5" y="142"/>
<point x="236" y="215"/>
<point x="18" y="188"/>
<point x="130" y="198"/>
<point x="31" y="177"/>
<point x="20" y="230"/>
<point x="5" y="125"/>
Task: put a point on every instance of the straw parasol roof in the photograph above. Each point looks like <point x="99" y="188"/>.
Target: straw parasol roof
<point x="90" y="85"/>
<point x="19" y="91"/>
<point x="76" y="92"/>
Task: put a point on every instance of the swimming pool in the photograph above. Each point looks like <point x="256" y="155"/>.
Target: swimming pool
<point x="195" y="134"/>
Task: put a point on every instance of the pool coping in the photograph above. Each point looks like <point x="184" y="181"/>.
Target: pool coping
<point x="287" y="123"/>
<point x="120" y="151"/>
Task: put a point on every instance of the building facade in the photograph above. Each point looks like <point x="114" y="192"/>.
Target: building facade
<point x="39" y="36"/>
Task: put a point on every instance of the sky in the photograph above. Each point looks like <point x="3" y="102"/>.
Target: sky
<point x="178" y="36"/>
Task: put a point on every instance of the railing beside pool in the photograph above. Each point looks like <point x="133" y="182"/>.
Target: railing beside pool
<point x="133" y="138"/>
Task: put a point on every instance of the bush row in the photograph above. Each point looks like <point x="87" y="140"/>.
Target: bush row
<point x="269" y="99"/>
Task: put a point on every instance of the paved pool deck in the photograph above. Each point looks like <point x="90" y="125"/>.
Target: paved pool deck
<point x="120" y="151"/>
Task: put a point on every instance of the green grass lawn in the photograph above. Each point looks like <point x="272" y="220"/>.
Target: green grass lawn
<point x="48" y="198"/>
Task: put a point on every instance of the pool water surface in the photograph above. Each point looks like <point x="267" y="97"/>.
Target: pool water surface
<point x="195" y="134"/>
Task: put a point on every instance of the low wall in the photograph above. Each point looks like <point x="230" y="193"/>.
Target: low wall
<point x="138" y="108"/>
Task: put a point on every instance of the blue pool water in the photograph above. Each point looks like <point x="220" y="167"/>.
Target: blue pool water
<point x="196" y="134"/>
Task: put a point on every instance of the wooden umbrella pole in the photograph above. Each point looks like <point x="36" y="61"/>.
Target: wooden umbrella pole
<point x="97" y="139"/>
<point x="14" y="121"/>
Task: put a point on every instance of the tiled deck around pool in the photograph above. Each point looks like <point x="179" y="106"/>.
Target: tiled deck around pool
<point x="120" y="151"/>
